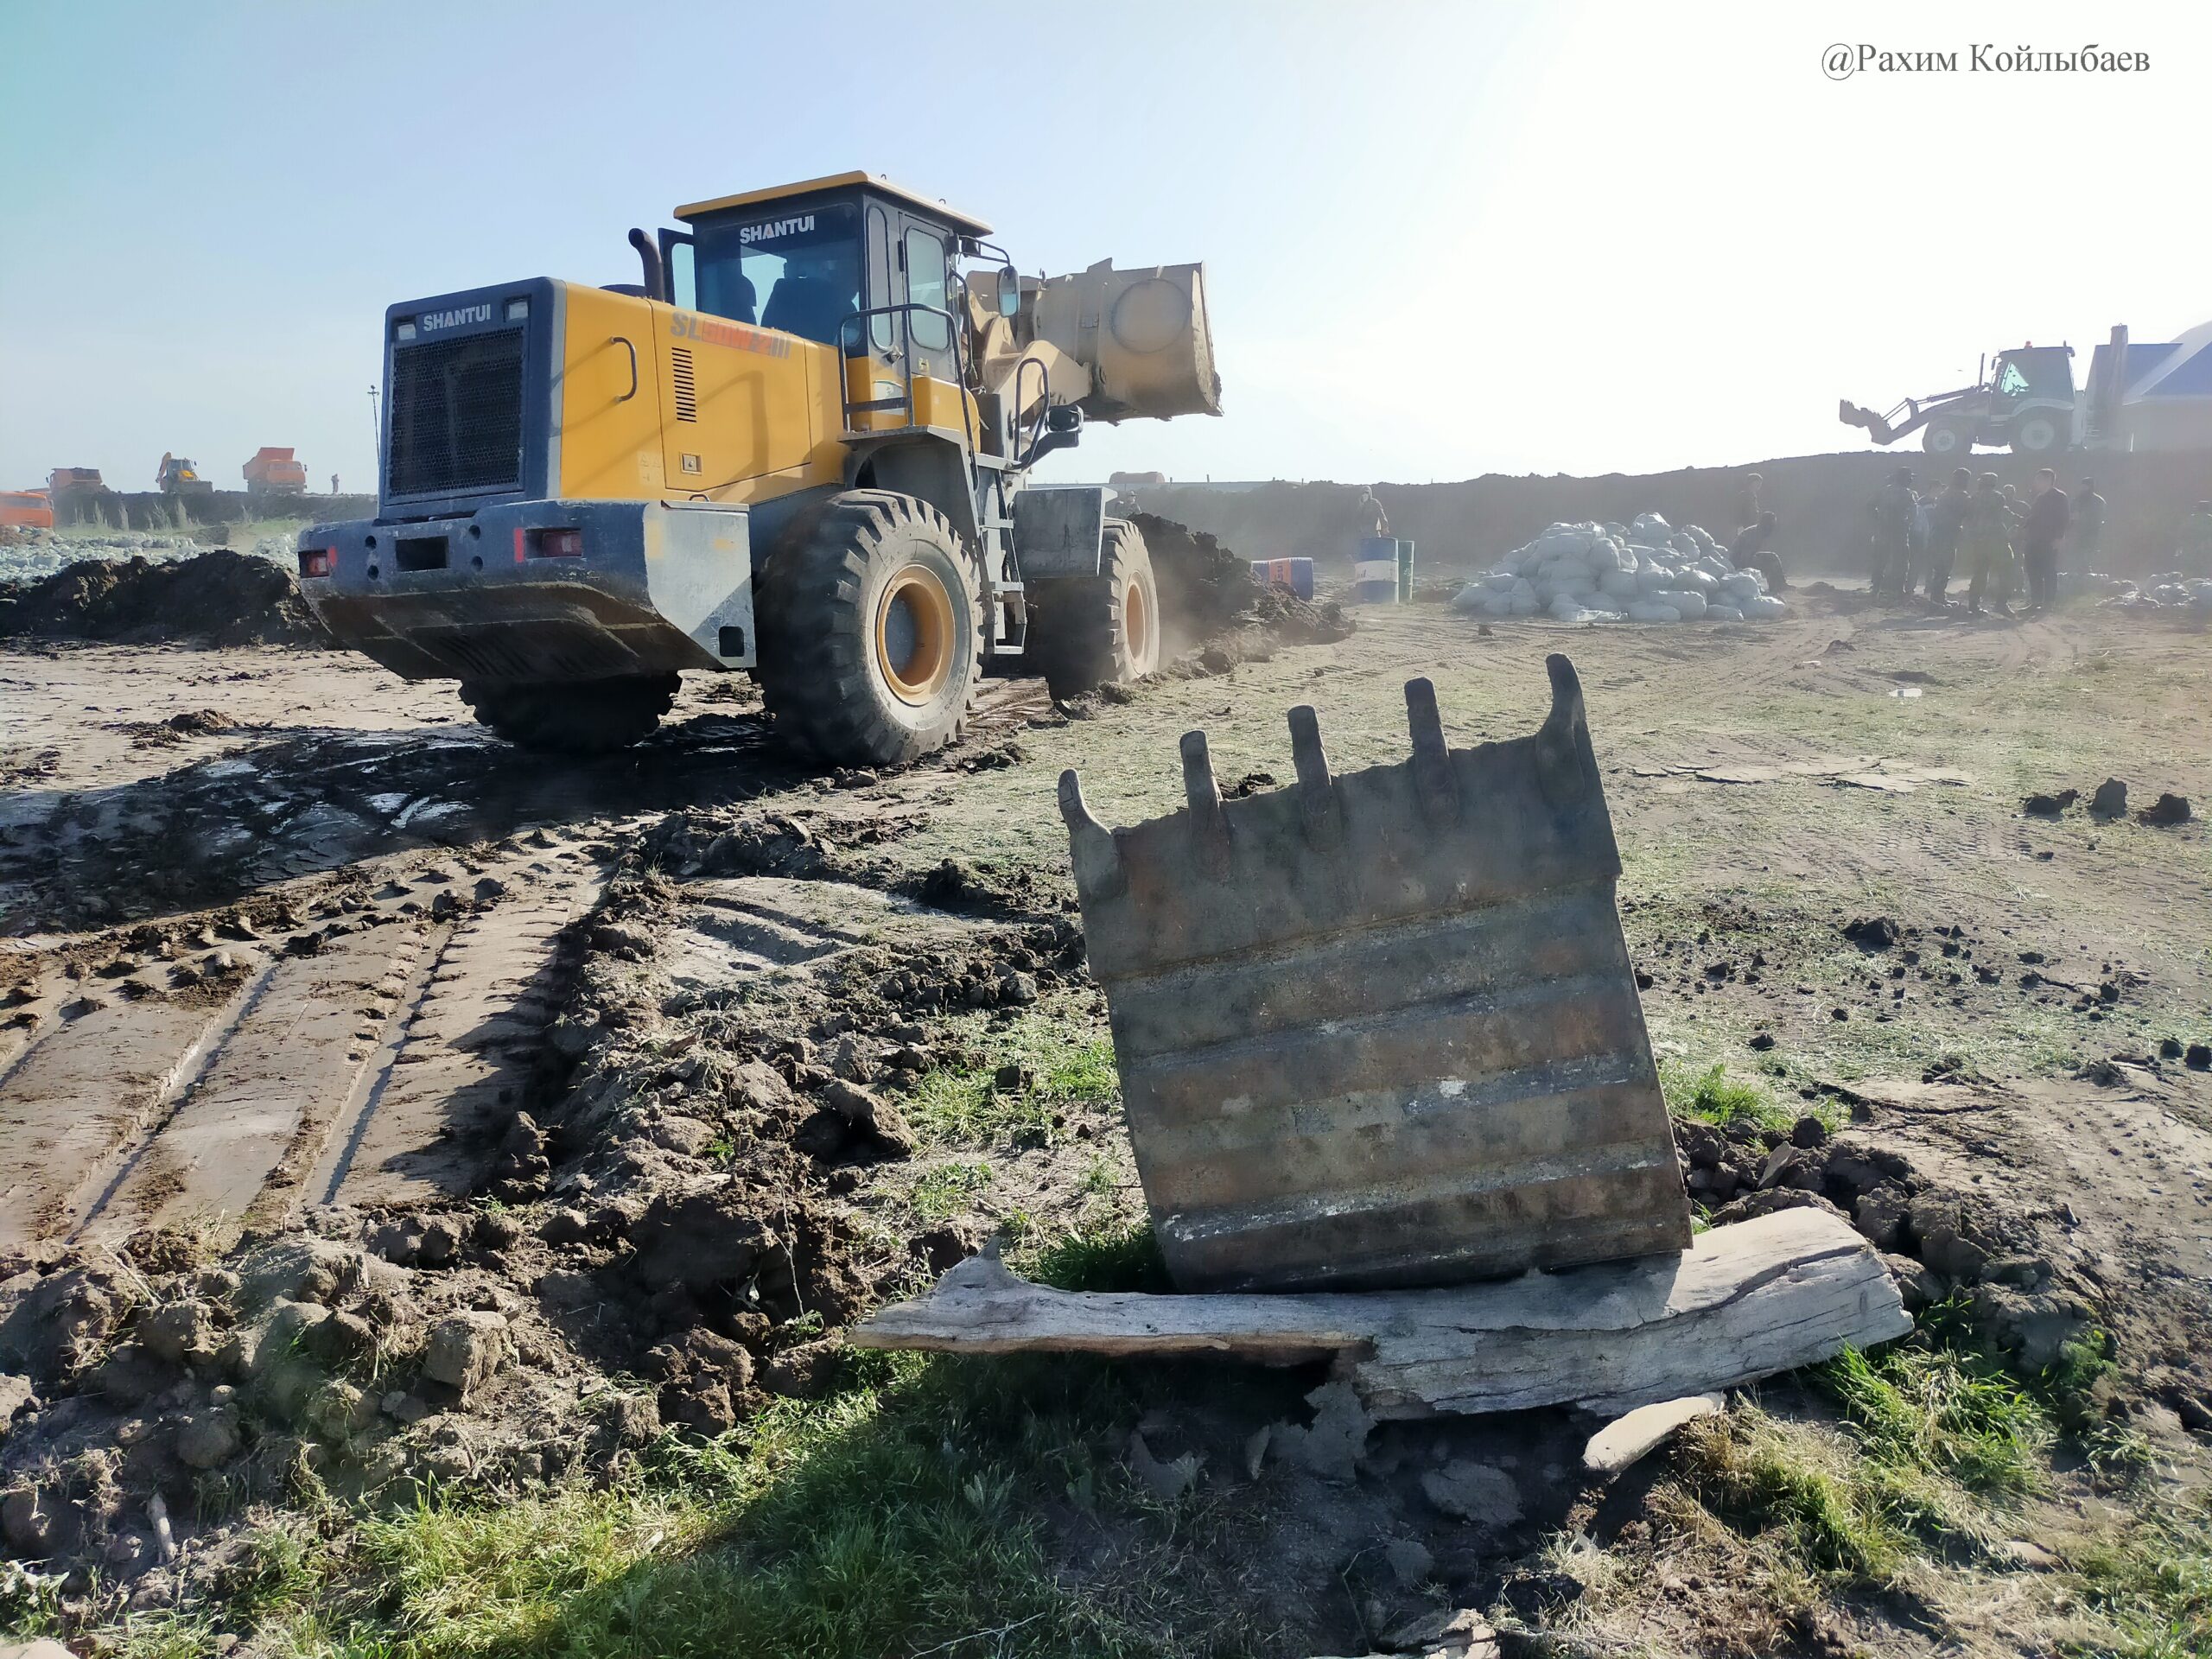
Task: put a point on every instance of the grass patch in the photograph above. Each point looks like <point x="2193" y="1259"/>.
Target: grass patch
<point x="1764" y="1476"/>
<point x="897" y="1516"/>
<point x="1957" y="1415"/>
<point x="1124" y="1256"/>
<point x="1064" y="1065"/>
<point x="945" y="1191"/>
<point x="1715" y="1097"/>
<point x="1933" y="1444"/>
<point x="2154" y="1585"/>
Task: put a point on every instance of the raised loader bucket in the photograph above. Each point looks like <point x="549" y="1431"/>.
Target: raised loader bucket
<point x="1142" y="335"/>
<point x="1380" y="1029"/>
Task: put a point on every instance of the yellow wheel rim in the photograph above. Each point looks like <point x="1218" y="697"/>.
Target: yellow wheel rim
<point x="1136" y="625"/>
<point x="914" y="634"/>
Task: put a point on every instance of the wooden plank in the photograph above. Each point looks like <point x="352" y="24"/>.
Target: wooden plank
<point x="1743" y="1302"/>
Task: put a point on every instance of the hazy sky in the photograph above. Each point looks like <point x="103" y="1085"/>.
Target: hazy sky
<point x="1442" y="240"/>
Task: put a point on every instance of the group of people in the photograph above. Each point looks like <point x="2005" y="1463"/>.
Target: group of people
<point x="1919" y="536"/>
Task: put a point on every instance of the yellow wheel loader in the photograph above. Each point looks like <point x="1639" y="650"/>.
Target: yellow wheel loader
<point x="799" y="448"/>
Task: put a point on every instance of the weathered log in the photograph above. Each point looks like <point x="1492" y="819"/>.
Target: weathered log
<point x="1743" y="1302"/>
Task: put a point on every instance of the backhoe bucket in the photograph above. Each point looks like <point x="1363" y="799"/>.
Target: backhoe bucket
<point x="1876" y="429"/>
<point x="1381" y="1030"/>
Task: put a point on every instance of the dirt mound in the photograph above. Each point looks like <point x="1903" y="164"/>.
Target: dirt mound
<point x="1207" y="591"/>
<point x="220" y="598"/>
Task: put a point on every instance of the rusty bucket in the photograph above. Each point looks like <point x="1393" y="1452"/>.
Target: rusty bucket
<point x="1381" y="1029"/>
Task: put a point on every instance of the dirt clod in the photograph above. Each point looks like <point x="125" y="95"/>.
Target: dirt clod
<point x="2169" y="808"/>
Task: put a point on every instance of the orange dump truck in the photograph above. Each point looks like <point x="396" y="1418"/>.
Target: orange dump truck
<point x="26" y="510"/>
<point x="273" y="471"/>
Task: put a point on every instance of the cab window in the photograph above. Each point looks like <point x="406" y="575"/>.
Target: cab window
<point x="798" y="272"/>
<point x="927" y="266"/>
<point x="2011" y="383"/>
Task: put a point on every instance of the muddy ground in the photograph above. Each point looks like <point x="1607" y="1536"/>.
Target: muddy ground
<point x="384" y="1109"/>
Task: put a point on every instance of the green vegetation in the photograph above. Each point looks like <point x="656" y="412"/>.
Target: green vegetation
<point x="2154" y="1585"/>
<point x="1063" y="1059"/>
<point x="1956" y="1415"/>
<point x="897" y="1517"/>
<point x="1123" y="1257"/>
<point x="946" y="1190"/>
<point x="1714" y="1097"/>
<point x="1933" y="1445"/>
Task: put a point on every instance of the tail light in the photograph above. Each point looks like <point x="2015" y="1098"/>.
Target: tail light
<point x="318" y="561"/>
<point x="557" y="544"/>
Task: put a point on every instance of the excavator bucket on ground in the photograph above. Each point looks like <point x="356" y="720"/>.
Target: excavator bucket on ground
<point x="1381" y="1029"/>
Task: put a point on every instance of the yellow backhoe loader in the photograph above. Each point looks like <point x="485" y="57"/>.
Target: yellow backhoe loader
<point x="800" y="448"/>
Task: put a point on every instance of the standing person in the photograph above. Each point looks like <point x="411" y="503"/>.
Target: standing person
<point x="1947" y="522"/>
<point x="1894" y="512"/>
<point x="2088" y="524"/>
<point x="2048" y="518"/>
<point x="1748" y="506"/>
<point x="1989" y="548"/>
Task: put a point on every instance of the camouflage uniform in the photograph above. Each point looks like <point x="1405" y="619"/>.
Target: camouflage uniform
<point x="1989" y="549"/>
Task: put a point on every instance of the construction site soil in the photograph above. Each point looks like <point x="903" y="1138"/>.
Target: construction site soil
<point x="386" y="1112"/>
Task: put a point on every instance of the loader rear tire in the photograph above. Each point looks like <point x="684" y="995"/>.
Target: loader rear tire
<point x="1086" y="632"/>
<point x="573" y="717"/>
<point x="871" y="632"/>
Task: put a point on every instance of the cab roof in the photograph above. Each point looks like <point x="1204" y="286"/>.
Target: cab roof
<point x="875" y="181"/>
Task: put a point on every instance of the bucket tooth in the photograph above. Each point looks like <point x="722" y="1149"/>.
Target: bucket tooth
<point x="1439" y="797"/>
<point x="1090" y="843"/>
<point x="1563" y="739"/>
<point x="1316" y="800"/>
<point x="1209" y="824"/>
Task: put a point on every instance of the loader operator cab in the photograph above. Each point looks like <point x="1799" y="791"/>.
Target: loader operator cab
<point x="805" y="258"/>
<point x="2033" y="372"/>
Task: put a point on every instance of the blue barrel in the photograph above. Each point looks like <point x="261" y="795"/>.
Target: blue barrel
<point x="1297" y="574"/>
<point x="1375" y="571"/>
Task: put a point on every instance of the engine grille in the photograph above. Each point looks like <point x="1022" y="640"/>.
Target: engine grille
<point x="456" y="415"/>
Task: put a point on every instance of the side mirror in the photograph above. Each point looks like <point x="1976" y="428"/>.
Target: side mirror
<point x="1009" y="291"/>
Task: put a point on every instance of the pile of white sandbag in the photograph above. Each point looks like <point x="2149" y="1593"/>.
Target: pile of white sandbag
<point x="2170" y="592"/>
<point x="1648" y="571"/>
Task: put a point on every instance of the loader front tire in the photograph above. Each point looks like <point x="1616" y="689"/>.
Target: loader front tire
<point x="1086" y="632"/>
<point x="870" y="631"/>
<point x="573" y="717"/>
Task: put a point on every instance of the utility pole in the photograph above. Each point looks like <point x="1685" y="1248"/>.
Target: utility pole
<point x="375" y="426"/>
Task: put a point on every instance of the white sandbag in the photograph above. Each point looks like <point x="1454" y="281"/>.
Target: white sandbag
<point x="1524" y="605"/>
<point x="1645" y="611"/>
<point x="1498" y="604"/>
<point x="1687" y="602"/>
<point x="1723" y="614"/>
<point x="1498" y="581"/>
<point x="1764" y="608"/>
<point x="1619" y="584"/>
<point x="1471" y="597"/>
<point x="1742" y="586"/>
<point x="1652" y="578"/>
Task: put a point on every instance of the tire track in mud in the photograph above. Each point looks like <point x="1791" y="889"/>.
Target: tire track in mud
<point x="464" y="1056"/>
<point x="358" y="1063"/>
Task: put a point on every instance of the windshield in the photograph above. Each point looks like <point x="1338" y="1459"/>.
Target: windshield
<point x="799" y="272"/>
